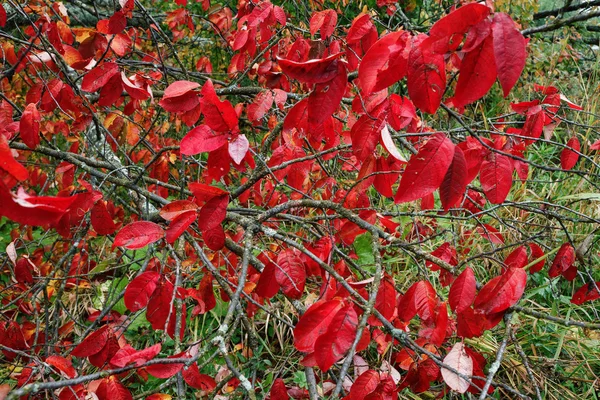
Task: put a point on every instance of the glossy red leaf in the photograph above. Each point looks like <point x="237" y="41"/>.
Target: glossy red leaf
<point x="365" y="135"/>
<point x="510" y="51"/>
<point x="214" y="238"/>
<point x="29" y="126"/>
<point x="385" y="302"/>
<point x="219" y="115"/>
<point x="129" y="355"/>
<point x="175" y="208"/>
<point x="455" y="181"/>
<point x="32" y="210"/>
<point x="448" y="32"/>
<point x="193" y="377"/>
<point x="312" y="71"/>
<point x="364" y="385"/>
<point x="179" y="225"/>
<point x="160" y="305"/>
<point x="165" y="370"/>
<point x="477" y="74"/>
<point x="496" y="177"/>
<point x="463" y="291"/>
<point x="290" y="274"/>
<point x="140" y="289"/>
<point x="536" y="253"/>
<point x="385" y="63"/>
<point x="325" y="99"/>
<point x="213" y="213"/>
<point x="517" y="258"/>
<point x="99" y="76"/>
<point x="278" y="390"/>
<point x="138" y="234"/>
<point x="260" y="106"/>
<point x="420" y="299"/>
<point x="111" y="389"/>
<point x="179" y="88"/>
<point x="500" y="294"/>
<point x="201" y="139"/>
<point x="314" y="323"/>
<point x="426" y="170"/>
<point x="426" y="77"/>
<point x="93" y="343"/>
<point x="587" y="292"/>
<point x="101" y="219"/>
<point x="63" y="365"/>
<point x="204" y="192"/>
<point x="331" y="346"/>
<point x="267" y="285"/>
<point x="324" y="21"/>
<point x="569" y="155"/>
<point x="8" y="162"/>
<point x="563" y="260"/>
<point x="390" y="146"/>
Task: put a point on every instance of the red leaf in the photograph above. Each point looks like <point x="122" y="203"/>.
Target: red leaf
<point x="496" y="177"/>
<point x="315" y="322"/>
<point x="426" y="170"/>
<point x="517" y="259"/>
<point x="365" y="135"/>
<point x="477" y="74"/>
<point x="426" y="77"/>
<point x="30" y="126"/>
<point x="497" y="296"/>
<point x="63" y="365"/>
<point x="213" y="213"/>
<point x="195" y="379"/>
<point x="420" y="299"/>
<point x="2" y="16"/>
<point x="509" y="51"/>
<point x="99" y="76"/>
<point x="325" y="21"/>
<point x="331" y="346"/>
<point x="201" y="139"/>
<point x="219" y="115"/>
<point x="129" y="355"/>
<point x="390" y="146"/>
<point x="102" y="220"/>
<point x="267" y="285"/>
<point x="32" y="210"/>
<point x="166" y="370"/>
<point x="93" y="343"/>
<point x="160" y="305"/>
<point x="325" y="99"/>
<point x="364" y="385"/>
<point x="259" y="107"/>
<point x="179" y="88"/>
<point x="455" y="181"/>
<point x="214" y="238"/>
<point x="385" y="302"/>
<point x="587" y="292"/>
<point x="448" y="32"/>
<point x="139" y="290"/>
<point x="111" y="389"/>
<point x="175" y="208"/>
<point x="180" y="225"/>
<point x="278" y="390"/>
<point x="563" y="260"/>
<point x="8" y="162"/>
<point x="290" y="274"/>
<point x="203" y="192"/>
<point x="138" y="234"/>
<point x="312" y="71"/>
<point x="462" y="291"/>
<point x="568" y="156"/>
<point x="385" y="63"/>
<point x="536" y="252"/>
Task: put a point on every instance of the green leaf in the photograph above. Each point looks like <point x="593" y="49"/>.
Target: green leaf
<point x="363" y="247"/>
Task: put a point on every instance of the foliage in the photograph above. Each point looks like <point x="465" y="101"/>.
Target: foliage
<point x="291" y="200"/>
